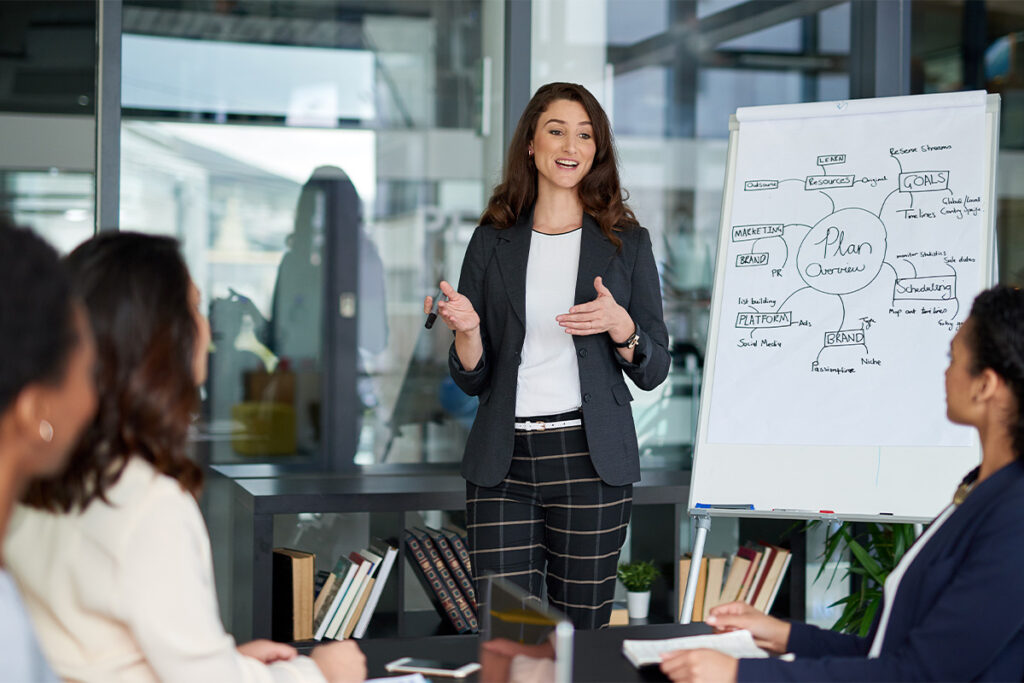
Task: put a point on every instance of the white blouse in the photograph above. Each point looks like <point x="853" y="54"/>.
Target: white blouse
<point x="124" y="591"/>
<point x="549" y="374"/>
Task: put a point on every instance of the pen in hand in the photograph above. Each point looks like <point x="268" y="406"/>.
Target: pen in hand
<point x="432" y="316"/>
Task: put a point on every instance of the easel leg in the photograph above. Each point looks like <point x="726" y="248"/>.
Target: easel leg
<point x="703" y="526"/>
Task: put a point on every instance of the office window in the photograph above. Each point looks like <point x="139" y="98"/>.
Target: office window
<point x="669" y="73"/>
<point x="974" y="45"/>
<point x="47" y="74"/>
<point x="323" y="165"/>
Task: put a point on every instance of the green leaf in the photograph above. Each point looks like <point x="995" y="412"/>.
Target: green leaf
<point x="869" y="616"/>
<point x="868" y="562"/>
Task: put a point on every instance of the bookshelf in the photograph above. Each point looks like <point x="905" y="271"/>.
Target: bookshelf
<point x="392" y="495"/>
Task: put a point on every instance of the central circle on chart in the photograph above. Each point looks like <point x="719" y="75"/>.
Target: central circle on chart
<point x="843" y="252"/>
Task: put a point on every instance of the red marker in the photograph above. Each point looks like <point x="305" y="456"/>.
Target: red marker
<point x="827" y="512"/>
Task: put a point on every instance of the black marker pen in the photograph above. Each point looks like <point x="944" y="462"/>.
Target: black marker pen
<point x="432" y="316"/>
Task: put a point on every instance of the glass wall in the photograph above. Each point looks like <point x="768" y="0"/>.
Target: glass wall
<point x="323" y="165"/>
<point x="670" y="73"/>
<point x="965" y="45"/>
<point x="47" y="129"/>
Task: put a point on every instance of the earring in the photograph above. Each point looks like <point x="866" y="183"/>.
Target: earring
<point x="45" y="431"/>
<point x="531" y="152"/>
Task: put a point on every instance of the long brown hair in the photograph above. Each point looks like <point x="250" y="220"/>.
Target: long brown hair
<point x="136" y="290"/>
<point x="599" y="190"/>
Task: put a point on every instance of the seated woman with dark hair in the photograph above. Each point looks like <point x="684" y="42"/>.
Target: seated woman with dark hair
<point x="113" y="556"/>
<point x="46" y="398"/>
<point x="952" y="609"/>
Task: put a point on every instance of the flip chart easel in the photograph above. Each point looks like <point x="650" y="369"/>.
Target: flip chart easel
<point x="854" y="237"/>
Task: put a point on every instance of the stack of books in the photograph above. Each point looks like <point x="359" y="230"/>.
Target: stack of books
<point x="336" y="604"/>
<point x="440" y="559"/>
<point x="350" y="592"/>
<point x="754" y="576"/>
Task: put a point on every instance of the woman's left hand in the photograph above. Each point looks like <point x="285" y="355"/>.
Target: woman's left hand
<point x="267" y="651"/>
<point x="699" y="665"/>
<point x="599" y="316"/>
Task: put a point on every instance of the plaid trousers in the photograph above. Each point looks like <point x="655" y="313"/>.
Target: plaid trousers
<point x="552" y="520"/>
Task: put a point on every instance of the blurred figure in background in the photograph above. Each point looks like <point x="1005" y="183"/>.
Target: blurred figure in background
<point x="47" y="397"/>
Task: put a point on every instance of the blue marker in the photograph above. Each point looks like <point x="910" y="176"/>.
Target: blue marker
<point x="730" y="506"/>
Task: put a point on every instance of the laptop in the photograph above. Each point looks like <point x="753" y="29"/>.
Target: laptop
<point x="507" y="611"/>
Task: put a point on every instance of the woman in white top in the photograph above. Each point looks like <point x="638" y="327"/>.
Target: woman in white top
<point x="952" y="609"/>
<point x="47" y="397"/>
<point x="113" y="557"/>
<point x="559" y="301"/>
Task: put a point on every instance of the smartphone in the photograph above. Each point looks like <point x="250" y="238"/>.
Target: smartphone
<point x="431" y="667"/>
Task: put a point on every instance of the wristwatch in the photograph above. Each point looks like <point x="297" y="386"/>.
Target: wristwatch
<point x="631" y="341"/>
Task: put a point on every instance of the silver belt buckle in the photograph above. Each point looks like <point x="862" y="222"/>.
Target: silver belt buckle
<point x="538" y="426"/>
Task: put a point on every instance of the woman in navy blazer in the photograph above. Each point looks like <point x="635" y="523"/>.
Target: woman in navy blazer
<point x="558" y="300"/>
<point x="954" y="607"/>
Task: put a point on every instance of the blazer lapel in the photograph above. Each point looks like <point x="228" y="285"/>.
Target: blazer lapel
<point x="596" y="252"/>
<point x="512" y="253"/>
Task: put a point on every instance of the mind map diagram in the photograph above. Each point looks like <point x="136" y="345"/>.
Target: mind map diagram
<point x="849" y="249"/>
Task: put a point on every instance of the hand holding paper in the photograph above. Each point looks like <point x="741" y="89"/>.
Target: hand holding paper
<point x="768" y="632"/>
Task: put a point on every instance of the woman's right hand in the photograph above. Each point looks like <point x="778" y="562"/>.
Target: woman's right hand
<point x="340" y="662"/>
<point x="769" y="633"/>
<point x="457" y="312"/>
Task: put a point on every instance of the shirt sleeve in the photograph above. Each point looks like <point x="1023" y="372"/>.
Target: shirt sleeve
<point x="471" y="285"/>
<point x="170" y="603"/>
<point x="650" y="357"/>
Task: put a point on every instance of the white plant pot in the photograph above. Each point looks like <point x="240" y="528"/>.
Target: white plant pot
<point x="638" y="604"/>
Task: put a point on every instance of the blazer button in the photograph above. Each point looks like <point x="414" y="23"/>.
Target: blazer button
<point x="586" y="398"/>
<point x="582" y="353"/>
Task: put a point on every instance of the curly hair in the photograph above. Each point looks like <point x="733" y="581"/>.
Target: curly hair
<point x="995" y="336"/>
<point x="600" y="190"/>
<point x="136" y="290"/>
<point x="37" y="330"/>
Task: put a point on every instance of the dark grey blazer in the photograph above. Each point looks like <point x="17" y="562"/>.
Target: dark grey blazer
<point x="494" y="278"/>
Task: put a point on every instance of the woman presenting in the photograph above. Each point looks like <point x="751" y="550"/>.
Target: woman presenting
<point x="558" y="298"/>
<point x="952" y="607"/>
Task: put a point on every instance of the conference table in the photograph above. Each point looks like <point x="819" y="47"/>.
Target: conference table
<point x="597" y="655"/>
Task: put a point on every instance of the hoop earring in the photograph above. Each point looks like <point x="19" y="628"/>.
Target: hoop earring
<point x="45" y="431"/>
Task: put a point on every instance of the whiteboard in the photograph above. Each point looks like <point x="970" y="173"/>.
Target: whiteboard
<point x="854" y="237"/>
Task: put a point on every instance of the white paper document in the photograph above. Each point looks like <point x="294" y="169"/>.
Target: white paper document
<point x="738" y="644"/>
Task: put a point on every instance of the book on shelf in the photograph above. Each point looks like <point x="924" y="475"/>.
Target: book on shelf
<point x="702" y="586"/>
<point x="768" y="554"/>
<point x="319" y="581"/>
<point x="455" y="567"/>
<point x="342" y="600"/>
<point x="709" y="589"/>
<point x="684" y="577"/>
<point x="457" y="538"/>
<point x="754" y="576"/>
<point x="778" y="583"/>
<point x="441" y="567"/>
<point x="424" y="570"/>
<point x="346" y="611"/>
<point x="357" y="610"/>
<point x="620" y="614"/>
<point x="734" y="579"/>
<point x="713" y="591"/>
<point x="343" y="573"/>
<point x="388" y="549"/>
<point x="772" y="579"/>
<point x="292" y="594"/>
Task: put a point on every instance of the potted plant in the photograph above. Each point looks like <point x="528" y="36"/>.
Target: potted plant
<point x="874" y="553"/>
<point x="637" y="577"/>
